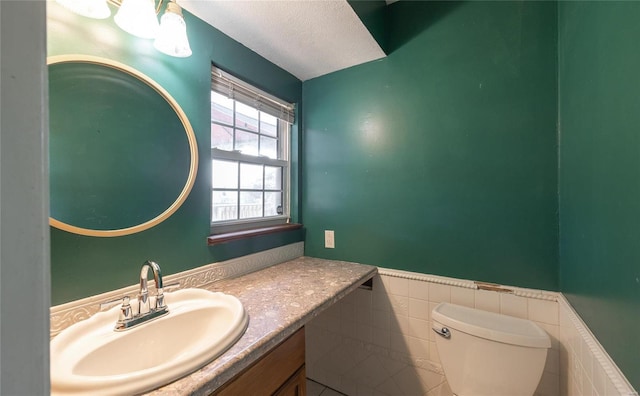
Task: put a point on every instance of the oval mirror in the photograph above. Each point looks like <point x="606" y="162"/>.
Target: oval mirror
<point x="123" y="155"/>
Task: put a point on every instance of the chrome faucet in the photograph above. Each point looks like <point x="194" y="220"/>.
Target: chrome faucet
<point x="148" y="307"/>
<point x="144" y="302"/>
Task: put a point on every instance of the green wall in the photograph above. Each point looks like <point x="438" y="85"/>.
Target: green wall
<point x="441" y="158"/>
<point x="599" y="103"/>
<point x="83" y="266"/>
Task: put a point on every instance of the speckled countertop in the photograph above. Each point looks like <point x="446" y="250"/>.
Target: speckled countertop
<point x="279" y="300"/>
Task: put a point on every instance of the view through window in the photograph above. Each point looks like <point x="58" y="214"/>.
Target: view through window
<point x="250" y="169"/>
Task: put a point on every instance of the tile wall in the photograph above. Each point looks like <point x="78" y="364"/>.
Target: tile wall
<point x="586" y="368"/>
<point x="379" y="342"/>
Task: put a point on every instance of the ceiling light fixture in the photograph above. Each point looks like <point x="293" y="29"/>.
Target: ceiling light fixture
<point x="139" y="18"/>
<point x="172" y="35"/>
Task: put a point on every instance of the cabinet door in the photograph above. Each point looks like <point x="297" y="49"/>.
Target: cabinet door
<point x="269" y="374"/>
<point x="295" y="386"/>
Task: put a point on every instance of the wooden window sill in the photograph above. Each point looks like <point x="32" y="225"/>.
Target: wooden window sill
<point x="236" y="235"/>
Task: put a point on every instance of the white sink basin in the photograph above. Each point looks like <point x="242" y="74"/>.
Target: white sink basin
<point x="91" y="358"/>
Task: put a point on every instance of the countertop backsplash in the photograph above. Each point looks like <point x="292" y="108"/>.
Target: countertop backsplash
<point x="64" y="315"/>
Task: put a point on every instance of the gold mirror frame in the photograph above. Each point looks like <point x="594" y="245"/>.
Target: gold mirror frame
<point x="193" y="148"/>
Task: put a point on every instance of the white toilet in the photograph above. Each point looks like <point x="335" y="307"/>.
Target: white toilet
<point x="488" y="354"/>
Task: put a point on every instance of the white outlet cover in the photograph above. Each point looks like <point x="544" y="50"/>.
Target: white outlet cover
<point x="329" y="239"/>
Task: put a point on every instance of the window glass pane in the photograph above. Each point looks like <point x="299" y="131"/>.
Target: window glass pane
<point x="268" y="147"/>
<point x="244" y="188"/>
<point x="250" y="204"/>
<point x="221" y="137"/>
<point x="272" y="203"/>
<point x="250" y="176"/>
<point x="247" y="142"/>
<point x="246" y="117"/>
<point x="272" y="178"/>
<point x="224" y="174"/>
<point x="225" y="205"/>
<point x="268" y="124"/>
<point x="221" y="108"/>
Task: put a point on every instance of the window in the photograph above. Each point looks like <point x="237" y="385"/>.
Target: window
<point x="249" y="156"/>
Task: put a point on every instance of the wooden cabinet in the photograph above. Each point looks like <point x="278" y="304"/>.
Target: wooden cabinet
<point x="295" y="386"/>
<point x="280" y="372"/>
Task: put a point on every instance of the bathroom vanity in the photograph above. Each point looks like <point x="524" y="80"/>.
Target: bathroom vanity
<point x="280" y="300"/>
<point x="281" y="372"/>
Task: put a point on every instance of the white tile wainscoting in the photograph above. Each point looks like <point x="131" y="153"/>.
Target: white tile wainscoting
<point x="585" y="366"/>
<point x="379" y="342"/>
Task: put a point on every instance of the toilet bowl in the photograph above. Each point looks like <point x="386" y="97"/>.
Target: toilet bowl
<point x="488" y="354"/>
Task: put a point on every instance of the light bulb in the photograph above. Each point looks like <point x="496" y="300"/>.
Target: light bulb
<point x="138" y="17"/>
<point x="172" y="36"/>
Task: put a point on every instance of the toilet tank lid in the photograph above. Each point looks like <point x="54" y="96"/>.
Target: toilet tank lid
<point x="491" y="326"/>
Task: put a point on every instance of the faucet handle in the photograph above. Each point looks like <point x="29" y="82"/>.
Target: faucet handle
<point x="125" y="307"/>
<point x="107" y="305"/>
<point x="159" y="300"/>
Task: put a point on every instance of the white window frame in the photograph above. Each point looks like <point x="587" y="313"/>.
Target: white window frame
<point x="284" y="132"/>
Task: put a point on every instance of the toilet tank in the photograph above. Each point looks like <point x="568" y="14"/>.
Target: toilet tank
<point x="485" y="353"/>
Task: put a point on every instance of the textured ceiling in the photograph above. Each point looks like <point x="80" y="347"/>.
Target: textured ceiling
<point x="308" y="38"/>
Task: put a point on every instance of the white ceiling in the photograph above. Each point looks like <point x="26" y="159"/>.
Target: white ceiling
<point x="307" y="38"/>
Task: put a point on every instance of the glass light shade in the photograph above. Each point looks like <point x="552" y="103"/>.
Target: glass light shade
<point x="172" y="37"/>
<point x="138" y="17"/>
<point x="97" y="9"/>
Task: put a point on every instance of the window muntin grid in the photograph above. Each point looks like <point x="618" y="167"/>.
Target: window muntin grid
<point x="239" y="127"/>
<point x="249" y="163"/>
